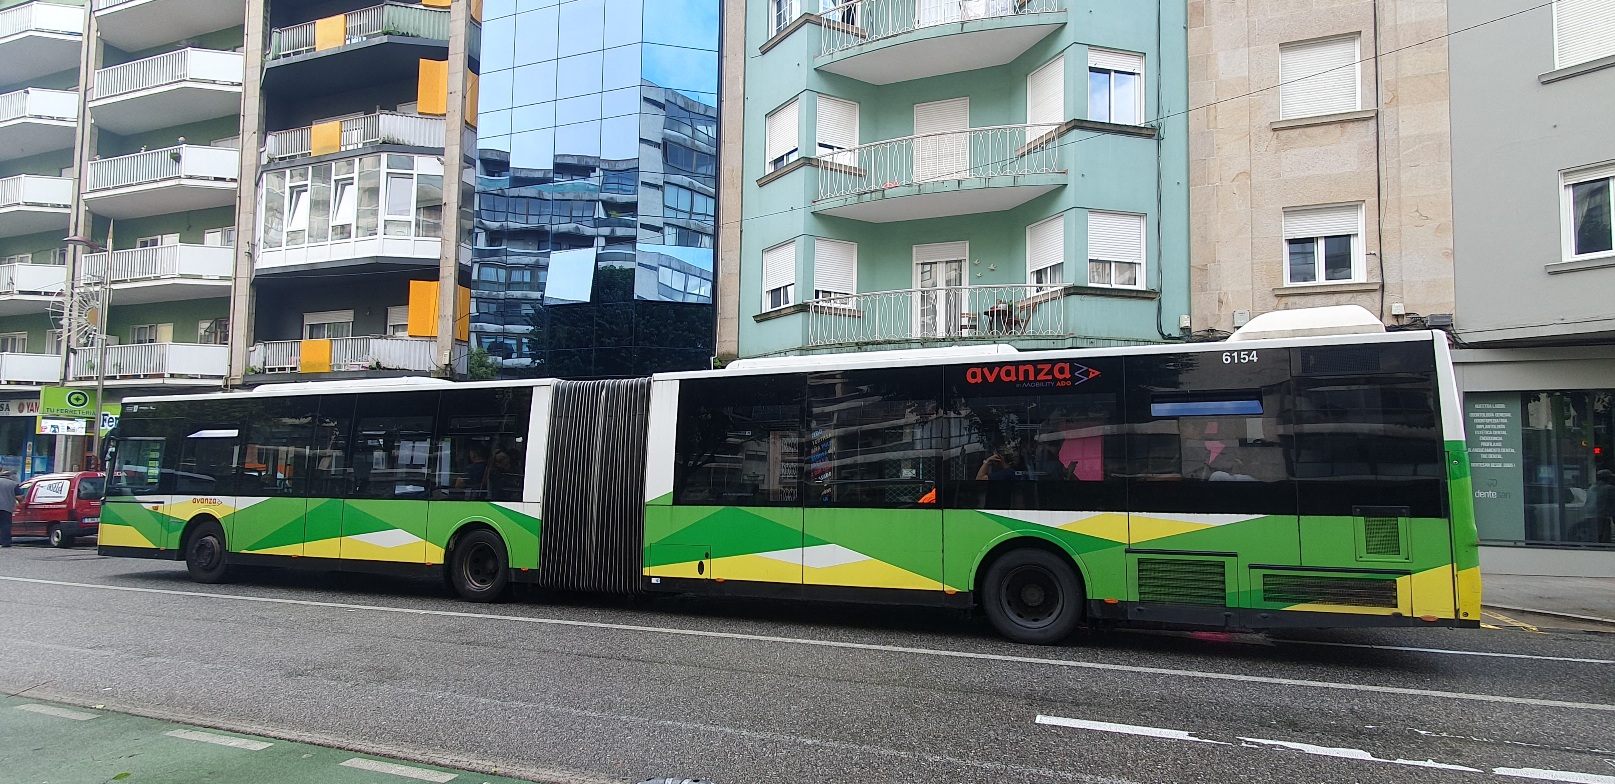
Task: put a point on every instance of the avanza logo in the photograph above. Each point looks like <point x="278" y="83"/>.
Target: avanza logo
<point x="1057" y="374"/>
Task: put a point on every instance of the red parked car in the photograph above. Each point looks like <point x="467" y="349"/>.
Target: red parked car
<point x="61" y="507"/>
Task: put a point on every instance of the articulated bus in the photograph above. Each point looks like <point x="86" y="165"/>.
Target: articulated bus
<point x="1249" y="484"/>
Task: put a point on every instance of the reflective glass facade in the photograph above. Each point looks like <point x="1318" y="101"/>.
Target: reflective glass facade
<point x="596" y="186"/>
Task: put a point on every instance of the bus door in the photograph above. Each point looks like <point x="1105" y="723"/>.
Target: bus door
<point x="871" y="517"/>
<point x="273" y="478"/>
<point x="385" y="512"/>
<point x="1210" y="491"/>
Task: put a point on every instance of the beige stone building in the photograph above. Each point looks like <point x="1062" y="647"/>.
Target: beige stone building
<point x="1320" y="158"/>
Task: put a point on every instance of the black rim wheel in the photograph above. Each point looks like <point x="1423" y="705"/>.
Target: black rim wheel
<point x="206" y="551"/>
<point x="480" y="566"/>
<point x="1031" y="595"/>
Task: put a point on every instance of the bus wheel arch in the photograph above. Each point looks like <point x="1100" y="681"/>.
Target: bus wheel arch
<point x="476" y="562"/>
<point x="1032" y="590"/>
<point x="205" y="550"/>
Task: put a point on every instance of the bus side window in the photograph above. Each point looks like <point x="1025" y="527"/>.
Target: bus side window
<point x="276" y="458"/>
<point x="329" y="468"/>
<point x="739" y="441"/>
<point x="874" y="438"/>
<point x="391" y="445"/>
<point x="479" y="451"/>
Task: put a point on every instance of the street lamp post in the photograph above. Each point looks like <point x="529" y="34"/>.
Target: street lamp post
<point x="104" y="297"/>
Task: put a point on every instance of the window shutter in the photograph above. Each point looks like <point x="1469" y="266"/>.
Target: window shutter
<point x="1045" y="94"/>
<point x="1318" y="77"/>
<point x="1589" y="174"/>
<point x="835" y="266"/>
<point x="941" y="251"/>
<point x="1331" y="221"/>
<point x="779" y="266"/>
<point x="1116" y="61"/>
<point x="1583" y="30"/>
<point x="165" y="333"/>
<point x="1115" y="236"/>
<point x="781" y="130"/>
<point x="942" y="157"/>
<point x="838" y="123"/>
<point x="1045" y="244"/>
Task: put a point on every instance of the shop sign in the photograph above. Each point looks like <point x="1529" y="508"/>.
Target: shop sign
<point x="19" y="408"/>
<point x="1497" y="473"/>
<point x="53" y="426"/>
<point x="66" y="403"/>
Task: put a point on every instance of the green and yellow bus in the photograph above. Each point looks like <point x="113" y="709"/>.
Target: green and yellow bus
<point x="1303" y="481"/>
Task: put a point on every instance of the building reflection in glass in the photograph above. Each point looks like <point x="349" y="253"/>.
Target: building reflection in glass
<point x="596" y="186"/>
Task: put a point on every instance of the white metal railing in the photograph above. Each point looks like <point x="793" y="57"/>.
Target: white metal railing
<point x="39" y="102"/>
<point x="413" y="21"/>
<point x="36" y="190"/>
<point x="102" y="5"/>
<point x="147" y="360"/>
<point x="862" y="21"/>
<point x="943" y="313"/>
<point x="162" y="261"/>
<point x="42" y="17"/>
<point x="186" y="160"/>
<point x="369" y="129"/>
<point x="185" y="65"/>
<point x="994" y="151"/>
<point x="361" y="353"/>
<point x="276" y="356"/>
<point x="30" y="368"/>
<point x="32" y="278"/>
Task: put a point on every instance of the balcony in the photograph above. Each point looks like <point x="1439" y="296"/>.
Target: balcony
<point x="951" y="314"/>
<point x="356" y="133"/>
<point x="890" y="41"/>
<point x="38" y="39"/>
<point x="166" y="273"/>
<point x="35" y="120"/>
<point x="941" y="174"/>
<point x="159" y="182"/>
<point x="347" y="355"/>
<point x="137" y="25"/>
<point x="30" y="369"/>
<point x="32" y="203"/>
<point x="25" y="288"/>
<point x="346" y="51"/>
<point x="142" y="364"/>
<point x="167" y="90"/>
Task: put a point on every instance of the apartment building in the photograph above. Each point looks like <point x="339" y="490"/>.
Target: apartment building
<point x="1533" y="167"/>
<point x="957" y="171"/>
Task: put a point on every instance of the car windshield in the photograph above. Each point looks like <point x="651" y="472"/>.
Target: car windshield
<point x="92" y="488"/>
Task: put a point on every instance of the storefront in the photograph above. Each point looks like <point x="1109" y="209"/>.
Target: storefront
<point x="22" y="449"/>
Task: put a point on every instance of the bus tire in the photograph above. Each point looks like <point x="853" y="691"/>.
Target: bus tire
<point x="59" y="537"/>
<point x="479" y="569"/>
<point x="1033" y="596"/>
<point x="205" y="555"/>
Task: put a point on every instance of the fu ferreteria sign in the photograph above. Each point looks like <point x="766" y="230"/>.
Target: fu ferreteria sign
<point x="64" y="403"/>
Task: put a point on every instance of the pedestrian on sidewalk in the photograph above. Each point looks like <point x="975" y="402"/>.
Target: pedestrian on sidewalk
<point x="8" y="504"/>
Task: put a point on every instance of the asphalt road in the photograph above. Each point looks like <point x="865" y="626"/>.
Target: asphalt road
<point x="574" y="689"/>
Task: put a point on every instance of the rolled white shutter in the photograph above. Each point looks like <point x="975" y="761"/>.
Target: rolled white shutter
<point x="1318" y="77"/>
<point x="781" y="130"/>
<point x="1583" y="30"/>
<point x="1116" y="61"/>
<point x="1045" y="94"/>
<point x="941" y="251"/>
<point x="1045" y="244"/>
<point x="942" y="157"/>
<point x="835" y="266"/>
<point x="838" y="123"/>
<point x="779" y="266"/>
<point x="1115" y="236"/>
<point x="1334" y="221"/>
<point x="1588" y="174"/>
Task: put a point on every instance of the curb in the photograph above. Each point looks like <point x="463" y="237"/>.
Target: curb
<point x="1554" y="613"/>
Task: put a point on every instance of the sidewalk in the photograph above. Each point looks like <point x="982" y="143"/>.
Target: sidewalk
<point x="1589" y="599"/>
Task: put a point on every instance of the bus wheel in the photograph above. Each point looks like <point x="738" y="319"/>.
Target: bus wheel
<point x="479" y="570"/>
<point x="205" y="556"/>
<point x="1032" y="596"/>
<point x="59" y="538"/>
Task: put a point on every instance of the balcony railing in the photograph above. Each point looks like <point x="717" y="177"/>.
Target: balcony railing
<point x="32" y="278"/>
<point x="163" y="261"/>
<point x="357" y="132"/>
<point x="35" y="190"/>
<point x="155" y="360"/>
<point x="183" y="161"/>
<point x="402" y="19"/>
<point x="362" y="353"/>
<point x="862" y="21"/>
<point x="40" y="103"/>
<point x="996" y="151"/>
<point x="43" y="18"/>
<point x="185" y="65"/>
<point x="102" y="5"/>
<point x="951" y="313"/>
<point x="30" y="369"/>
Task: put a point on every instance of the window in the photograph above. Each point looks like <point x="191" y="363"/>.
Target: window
<point x="53" y="338"/>
<point x="18" y="258"/>
<point x="835" y="270"/>
<point x="398" y="320"/>
<point x="1583" y="30"/>
<point x="1323" y="244"/>
<point x="297" y="214"/>
<point x="740" y="441"/>
<point x="225" y="237"/>
<point x="1115" y="250"/>
<point x="1319" y="77"/>
<point x="328" y="324"/>
<point x="685" y="204"/>
<point x="392" y="441"/>
<point x="780" y="135"/>
<point x="782" y="13"/>
<point x="1115" y="87"/>
<point x="353" y="198"/>
<point x="486" y="426"/>
<point x="162" y="239"/>
<point x="213" y="332"/>
<point x="837" y="129"/>
<point x="275" y="460"/>
<point x="151" y="333"/>
<point x="14" y="343"/>
<point x="1045" y="252"/>
<point x="1045" y="95"/>
<point x="779" y="275"/>
<point x="875" y="438"/>
<point x="344" y="208"/>
<point x="58" y="256"/>
<point x="1587" y="219"/>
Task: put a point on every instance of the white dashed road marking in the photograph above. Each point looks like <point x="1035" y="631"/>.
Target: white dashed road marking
<point x="1125" y="729"/>
<point x="419" y="774"/>
<point x="1356" y="754"/>
<point x="61" y="713"/>
<point x="221" y="740"/>
<point x="1554" y="775"/>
